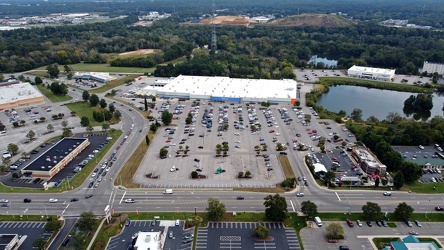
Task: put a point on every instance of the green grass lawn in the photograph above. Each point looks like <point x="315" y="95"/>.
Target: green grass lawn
<point x="286" y="167"/>
<point x="112" y="84"/>
<point x="85" y="109"/>
<point x="53" y="98"/>
<point x="419" y="187"/>
<point x="430" y="240"/>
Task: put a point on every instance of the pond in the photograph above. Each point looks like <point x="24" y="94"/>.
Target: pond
<point x="376" y="102"/>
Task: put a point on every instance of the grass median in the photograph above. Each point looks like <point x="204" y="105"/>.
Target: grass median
<point x="53" y="98"/>
<point x="125" y="177"/>
<point x="113" y="84"/>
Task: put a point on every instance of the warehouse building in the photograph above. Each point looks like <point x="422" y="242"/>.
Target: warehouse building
<point x="94" y="76"/>
<point x="225" y="89"/>
<point x="15" y="94"/>
<point x="55" y="158"/>
<point x="431" y="68"/>
<point x="371" y="73"/>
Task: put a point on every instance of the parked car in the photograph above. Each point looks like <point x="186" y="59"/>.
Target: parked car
<point x="332" y="241"/>
<point x="418" y="223"/>
<point x="350" y="223"/>
<point x="369" y="223"/>
<point x="359" y="223"/>
<point x="408" y="223"/>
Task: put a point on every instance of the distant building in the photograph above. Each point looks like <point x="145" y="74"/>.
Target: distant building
<point x="314" y="60"/>
<point x="14" y="94"/>
<point x="371" y="73"/>
<point x="55" y="158"/>
<point x="368" y="162"/>
<point x="431" y="68"/>
<point x="94" y="76"/>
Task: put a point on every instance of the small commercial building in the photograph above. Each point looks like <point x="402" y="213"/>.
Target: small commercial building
<point x="411" y="243"/>
<point x="148" y="240"/>
<point x="225" y="89"/>
<point x="368" y="162"/>
<point x="16" y="94"/>
<point x="319" y="169"/>
<point x="371" y="73"/>
<point x="94" y="76"/>
<point x="55" y="158"/>
<point x="431" y="68"/>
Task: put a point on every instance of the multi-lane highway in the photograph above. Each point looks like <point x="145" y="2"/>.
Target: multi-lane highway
<point x="153" y="200"/>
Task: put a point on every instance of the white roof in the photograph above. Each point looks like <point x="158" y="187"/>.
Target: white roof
<point x="319" y="168"/>
<point x="101" y="75"/>
<point x="372" y="70"/>
<point x="148" y="240"/>
<point x="18" y="91"/>
<point x="232" y="87"/>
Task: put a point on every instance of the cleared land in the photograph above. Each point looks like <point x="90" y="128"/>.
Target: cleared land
<point x="228" y="20"/>
<point x="318" y="20"/>
<point x="139" y="52"/>
<point x="89" y="67"/>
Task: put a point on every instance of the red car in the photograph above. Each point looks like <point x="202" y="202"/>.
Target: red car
<point x="332" y="241"/>
<point x="271" y="131"/>
<point x="350" y="223"/>
<point x="168" y="141"/>
<point x="334" y="159"/>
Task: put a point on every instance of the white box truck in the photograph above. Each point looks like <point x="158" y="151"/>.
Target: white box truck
<point x="318" y="221"/>
<point x="168" y="191"/>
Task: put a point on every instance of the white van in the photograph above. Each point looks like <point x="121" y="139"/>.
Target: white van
<point x="168" y="191"/>
<point x="318" y="221"/>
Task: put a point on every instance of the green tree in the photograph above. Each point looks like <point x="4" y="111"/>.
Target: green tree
<point x="53" y="224"/>
<point x="13" y="148"/>
<point x="39" y="243"/>
<point x="309" y="209"/>
<point x="215" y="209"/>
<point x="398" y="180"/>
<point x="53" y="70"/>
<point x="377" y="182"/>
<point x="38" y="80"/>
<point x="261" y="232"/>
<point x="145" y="104"/>
<point x="78" y="238"/>
<point x="372" y="211"/>
<point x="86" y="221"/>
<point x="50" y="128"/>
<point x="84" y="121"/>
<point x="117" y="114"/>
<point x="153" y="127"/>
<point x="403" y="211"/>
<point x="329" y="176"/>
<point x="334" y="230"/>
<point x="163" y="152"/>
<point x="167" y="118"/>
<point x="153" y="99"/>
<point x="64" y="123"/>
<point x="30" y="135"/>
<point x="67" y="132"/>
<point x="111" y="108"/>
<point x="105" y="126"/>
<point x="2" y="77"/>
<point x="147" y="140"/>
<point x="411" y="171"/>
<point x="89" y="129"/>
<point x="94" y="100"/>
<point x="275" y="207"/>
<point x="103" y="103"/>
<point x="85" y="95"/>
<point x="356" y="114"/>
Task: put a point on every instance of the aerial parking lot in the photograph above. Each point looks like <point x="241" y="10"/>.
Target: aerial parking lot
<point x="252" y="136"/>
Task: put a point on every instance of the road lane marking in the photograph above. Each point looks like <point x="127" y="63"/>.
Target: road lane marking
<point x="338" y="196"/>
<point x="110" y="196"/>
<point x="123" y="196"/>
<point x="65" y="209"/>
<point x="292" y="206"/>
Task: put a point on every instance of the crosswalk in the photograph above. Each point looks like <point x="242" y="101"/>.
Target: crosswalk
<point x="22" y="224"/>
<point x="292" y="239"/>
<point x="202" y="237"/>
<point x="243" y="225"/>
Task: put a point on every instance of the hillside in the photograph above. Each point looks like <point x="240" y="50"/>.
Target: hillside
<point x="319" y="20"/>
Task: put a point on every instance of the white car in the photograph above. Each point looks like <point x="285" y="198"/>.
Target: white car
<point x="107" y="169"/>
<point x="129" y="201"/>
<point x="52" y="200"/>
<point x="278" y="133"/>
<point x="421" y="147"/>
<point x="173" y="169"/>
<point x="93" y="174"/>
<point x="177" y="222"/>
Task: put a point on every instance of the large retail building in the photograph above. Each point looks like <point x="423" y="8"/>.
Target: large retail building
<point x="431" y="68"/>
<point x="371" y="73"/>
<point x="15" y="94"/>
<point x="229" y="89"/>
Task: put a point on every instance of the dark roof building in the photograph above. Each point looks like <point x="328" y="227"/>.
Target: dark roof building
<point x="55" y="158"/>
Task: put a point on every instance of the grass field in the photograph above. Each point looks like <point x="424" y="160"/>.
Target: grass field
<point x="125" y="177"/>
<point x="85" y="109"/>
<point x="286" y="167"/>
<point x="53" y="98"/>
<point x="418" y="187"/>
<point x="112" y="84"/>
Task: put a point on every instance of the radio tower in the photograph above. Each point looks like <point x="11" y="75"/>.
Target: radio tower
<point x="213" y="33"/>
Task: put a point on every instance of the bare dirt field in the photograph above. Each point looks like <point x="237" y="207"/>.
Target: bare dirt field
<point x="319" y="20"/>
<point x="228" y="20"/>
<point x="139" y="52"/>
